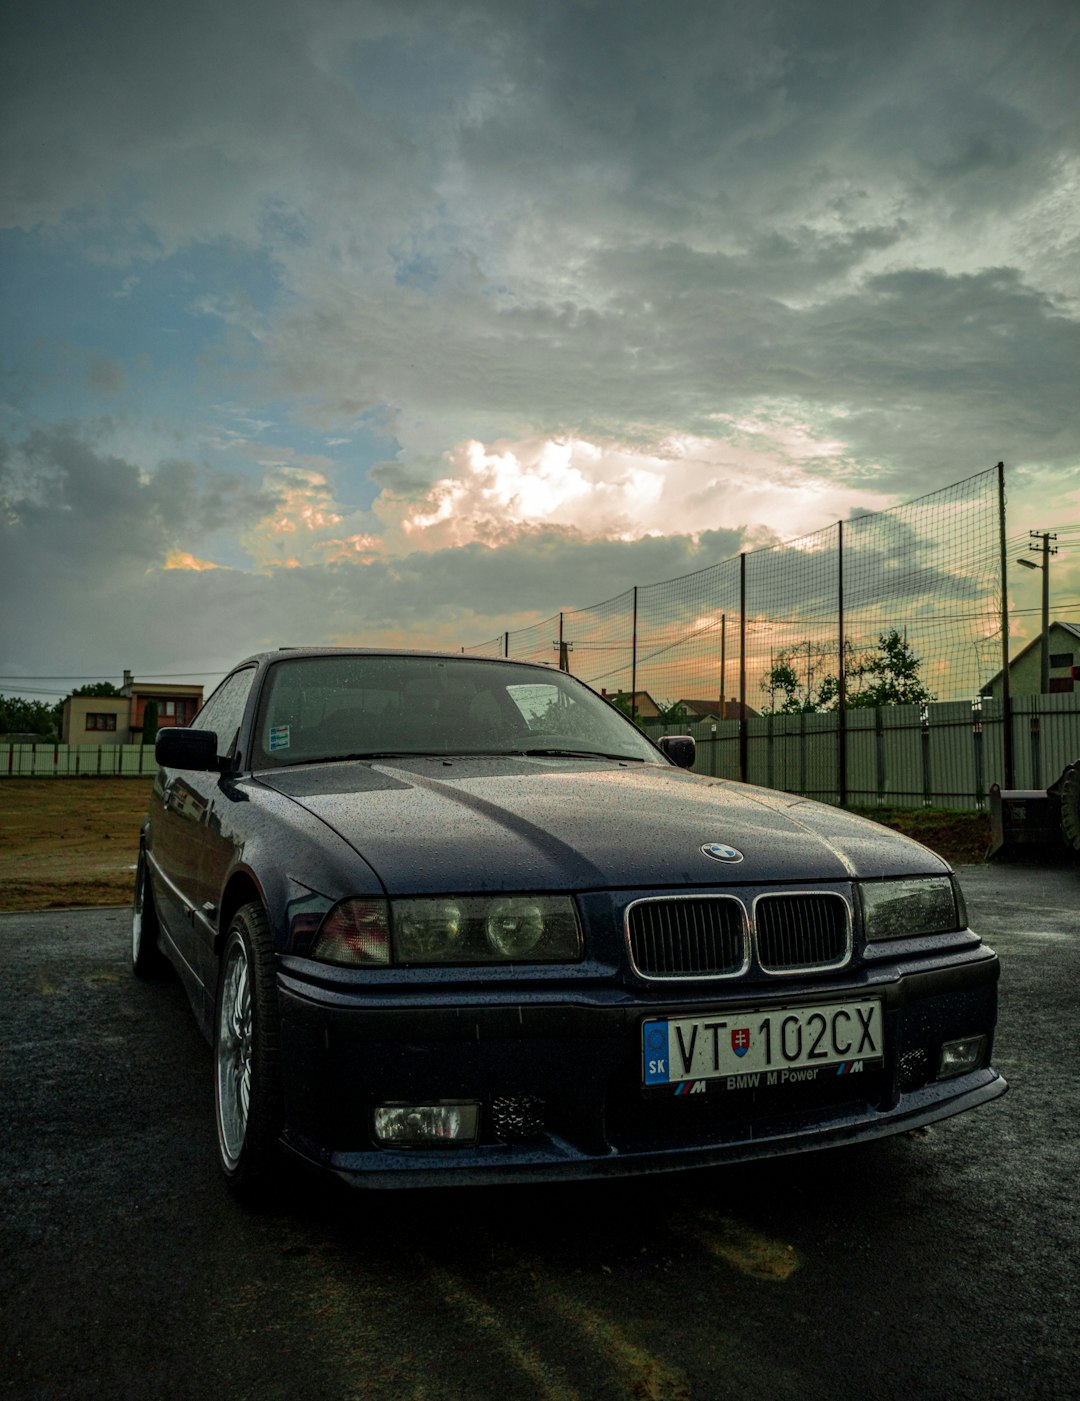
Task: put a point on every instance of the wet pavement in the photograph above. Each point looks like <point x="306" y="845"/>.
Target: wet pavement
<point x="942" y="1264"/>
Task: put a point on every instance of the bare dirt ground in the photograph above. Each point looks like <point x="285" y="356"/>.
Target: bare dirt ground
<point x="69" y="841"/>
<point x="66" y="842"/>
<point x="962" y="838"/>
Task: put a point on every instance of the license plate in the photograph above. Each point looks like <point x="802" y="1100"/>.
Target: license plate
<point x="759" y="1047"/>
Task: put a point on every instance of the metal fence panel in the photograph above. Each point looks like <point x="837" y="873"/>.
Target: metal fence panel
<point x="76" y="760"/>
<point x="1046" y="737"/>
<point x="823" y="758"/>
<point x="865" y="758"/>
<point x="896" y="755"/>
<point x="990" y="752"/>
<point x="795" y="753"/>
<point x="950" y="754"/>
<point x="902" y="749"/>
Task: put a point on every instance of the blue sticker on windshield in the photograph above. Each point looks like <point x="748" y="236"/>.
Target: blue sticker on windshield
<point x="279" y="737"/>
<point x="655" y="1051"/>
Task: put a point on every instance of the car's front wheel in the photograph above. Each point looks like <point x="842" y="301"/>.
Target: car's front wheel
<point x="247" y="1068"/>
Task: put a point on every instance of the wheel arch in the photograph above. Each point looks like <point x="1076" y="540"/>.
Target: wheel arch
<point x="241" y="889"/>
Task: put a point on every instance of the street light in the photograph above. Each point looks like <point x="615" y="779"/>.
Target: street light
<point x="1045" y="550"/>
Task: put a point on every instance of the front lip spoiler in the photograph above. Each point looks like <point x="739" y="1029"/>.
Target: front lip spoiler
<point x="555" y="1160"/>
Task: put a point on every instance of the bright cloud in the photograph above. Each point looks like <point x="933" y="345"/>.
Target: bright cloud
<point x="183" y="559"/>
<point x="304" y="513"/>
<point x="757" y="481"/>
<point x="763" y="480"/>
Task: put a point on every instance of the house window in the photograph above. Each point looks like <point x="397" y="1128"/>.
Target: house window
<point x="95" y="720"/>
<point x="1061" y="683"/>
<point x="168" y="708"/>
<point x="1061" y="659"/>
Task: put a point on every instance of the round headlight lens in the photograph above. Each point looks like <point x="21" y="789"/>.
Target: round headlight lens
<point x="515" y="927"/>
<point x="425" y="929"/>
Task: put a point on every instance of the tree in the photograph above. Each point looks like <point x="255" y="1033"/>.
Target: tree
<point x="26" y="717"/>
<point x="149" y="722"/>
<point x="800" y="678"/>
<point x="889" y="677"/>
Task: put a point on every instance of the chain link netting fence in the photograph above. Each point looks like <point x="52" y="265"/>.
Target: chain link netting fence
<point x="929" y="570"/>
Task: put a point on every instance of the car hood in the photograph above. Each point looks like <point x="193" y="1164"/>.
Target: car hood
<point x="434" y="825"/>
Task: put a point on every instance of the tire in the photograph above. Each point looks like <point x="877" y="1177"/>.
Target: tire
<point x="248" y="1111"/>
<point x="147" y="960"/>
<point x="1069" y="790"/>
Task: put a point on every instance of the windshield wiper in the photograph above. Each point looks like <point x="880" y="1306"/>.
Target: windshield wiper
<point x="551" y="753"/>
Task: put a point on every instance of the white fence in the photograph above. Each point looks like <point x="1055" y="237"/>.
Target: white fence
<point x="76" y="760"/>
<point x="897" y="755"/>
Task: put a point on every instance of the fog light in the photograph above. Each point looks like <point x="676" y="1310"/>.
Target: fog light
<point x="958" y="1057"/>
<point x="431" y="1125"/>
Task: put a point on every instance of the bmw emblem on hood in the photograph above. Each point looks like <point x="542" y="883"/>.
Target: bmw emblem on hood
<point x="719" y="852"/>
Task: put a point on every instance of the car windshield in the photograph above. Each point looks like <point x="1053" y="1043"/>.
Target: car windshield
<point x="317" y="709"/>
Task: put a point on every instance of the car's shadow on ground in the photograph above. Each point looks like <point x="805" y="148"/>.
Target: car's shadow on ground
<point x="621" y="1224"/>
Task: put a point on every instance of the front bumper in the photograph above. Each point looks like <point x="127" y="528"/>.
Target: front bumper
<point x="573" y="1058"/>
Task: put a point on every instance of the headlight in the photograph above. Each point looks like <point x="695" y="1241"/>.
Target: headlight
<point x="469" y="929"/>
<point x="426" y="929"/>
<point x="514" y="927"/>
<point x="904" y="909"/>
<point x="474" y="929"/>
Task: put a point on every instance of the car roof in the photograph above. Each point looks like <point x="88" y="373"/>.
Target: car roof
<point x="280" y="653"/>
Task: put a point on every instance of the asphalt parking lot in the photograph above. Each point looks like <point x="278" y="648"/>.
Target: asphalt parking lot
<point x="942" y="1264"/>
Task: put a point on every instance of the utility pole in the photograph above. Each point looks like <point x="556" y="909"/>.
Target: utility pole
<point x="1046" y="550"/>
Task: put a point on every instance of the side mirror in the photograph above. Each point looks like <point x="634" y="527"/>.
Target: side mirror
<point x="177" y="748"/>
<point x="680" y="749"/>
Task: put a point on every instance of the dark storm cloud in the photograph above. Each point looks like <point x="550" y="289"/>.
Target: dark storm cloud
<point x="81" y="517"/>
<point x="603" y="220"/>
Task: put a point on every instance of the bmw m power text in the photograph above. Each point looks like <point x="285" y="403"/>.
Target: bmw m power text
<point x="447" y="919"/>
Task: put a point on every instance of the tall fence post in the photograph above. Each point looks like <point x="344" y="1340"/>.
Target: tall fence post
<point x="1006" y="680"/>
<point x="977" y="752"/>
<point x="841" y="698"/>
<point x="633" y="662"/>
<point x="744" y="741"/>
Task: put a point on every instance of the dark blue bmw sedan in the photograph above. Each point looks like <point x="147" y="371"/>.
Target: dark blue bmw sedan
<point x="447" y="919"/>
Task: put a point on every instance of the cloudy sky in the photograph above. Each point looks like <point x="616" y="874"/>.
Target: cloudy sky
<point x="411" y="321"/>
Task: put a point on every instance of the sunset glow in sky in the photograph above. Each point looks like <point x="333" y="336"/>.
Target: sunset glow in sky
<point x="412" y="321"/>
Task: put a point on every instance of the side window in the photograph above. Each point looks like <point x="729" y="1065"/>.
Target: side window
<point x="224" y="710"/>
